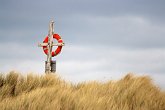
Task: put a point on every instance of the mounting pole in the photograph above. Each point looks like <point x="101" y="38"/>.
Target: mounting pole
<point x="49" y="47"/>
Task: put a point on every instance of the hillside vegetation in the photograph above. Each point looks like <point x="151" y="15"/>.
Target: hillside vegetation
<point x="49" y="92"/>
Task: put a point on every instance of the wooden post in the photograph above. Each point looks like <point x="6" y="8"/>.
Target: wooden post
<point x="49" y="46"/>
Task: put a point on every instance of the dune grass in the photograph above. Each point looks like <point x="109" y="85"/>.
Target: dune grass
<point x="49" y="92"/>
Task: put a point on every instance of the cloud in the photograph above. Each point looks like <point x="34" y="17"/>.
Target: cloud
<point x="110" y="63"/>
<point x="124" y="31"/>
<point x="130" y="31"/>
<point x="81" y="63"/>
<point x="149" y="8"/>
<point x="124" y="60"/>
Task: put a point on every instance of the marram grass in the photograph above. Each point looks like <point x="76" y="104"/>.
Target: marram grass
<point x="49" y="92"/>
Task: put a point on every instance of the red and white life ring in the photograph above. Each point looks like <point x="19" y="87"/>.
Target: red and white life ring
<point x="58" y="50"/>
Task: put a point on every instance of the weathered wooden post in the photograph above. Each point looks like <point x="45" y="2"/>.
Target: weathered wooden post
<point x="50" y="66"/>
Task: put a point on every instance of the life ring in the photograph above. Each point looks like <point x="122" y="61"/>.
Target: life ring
<point x="58" y="50"/>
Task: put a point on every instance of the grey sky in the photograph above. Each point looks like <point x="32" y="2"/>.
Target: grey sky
<point x="105" y="39"/>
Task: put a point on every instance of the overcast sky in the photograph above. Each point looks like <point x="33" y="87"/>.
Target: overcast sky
<point x="105" y="39"/>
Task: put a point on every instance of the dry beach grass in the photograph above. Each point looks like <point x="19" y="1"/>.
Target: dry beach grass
<point x="49" y="92"/>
